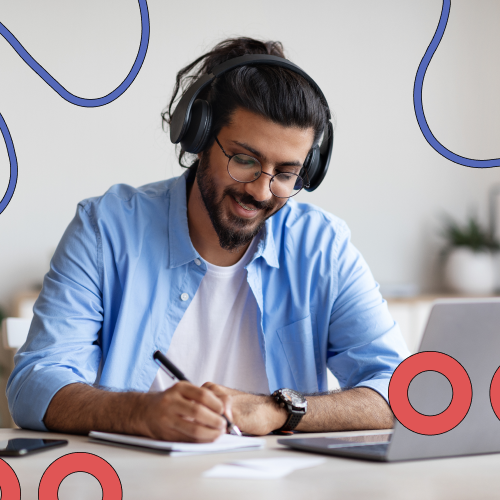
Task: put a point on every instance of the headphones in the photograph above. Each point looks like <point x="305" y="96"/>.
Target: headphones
<point x="192" y="118"/>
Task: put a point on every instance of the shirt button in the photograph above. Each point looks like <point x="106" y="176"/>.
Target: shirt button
<point x="184" y="296"/>
<point x="197" y="262"/>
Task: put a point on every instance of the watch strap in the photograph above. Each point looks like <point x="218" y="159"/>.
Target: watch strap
<point x="292" y="421"/>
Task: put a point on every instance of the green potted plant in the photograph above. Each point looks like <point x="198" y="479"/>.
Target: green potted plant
<point x="470" y="264"/>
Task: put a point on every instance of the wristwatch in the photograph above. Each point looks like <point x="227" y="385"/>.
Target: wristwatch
<point x="294" y="403"/>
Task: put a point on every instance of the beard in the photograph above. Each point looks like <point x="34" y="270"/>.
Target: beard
<point x="233" y="231"/>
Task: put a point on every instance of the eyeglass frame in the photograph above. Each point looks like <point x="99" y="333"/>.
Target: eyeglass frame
<point x="230" y="157"/>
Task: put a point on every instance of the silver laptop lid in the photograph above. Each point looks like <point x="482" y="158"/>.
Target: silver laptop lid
<point x="469" y="331"/>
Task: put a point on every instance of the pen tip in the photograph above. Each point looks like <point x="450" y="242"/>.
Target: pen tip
<point x="235" y="430"/>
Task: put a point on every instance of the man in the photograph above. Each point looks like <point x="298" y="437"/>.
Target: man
<point x="245" y="290"/>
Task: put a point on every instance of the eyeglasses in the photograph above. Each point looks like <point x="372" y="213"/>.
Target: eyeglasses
<point x="244" y="168"/>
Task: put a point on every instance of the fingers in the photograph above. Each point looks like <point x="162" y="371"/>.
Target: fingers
<point x="224" y="394"/>
<point x="220" y="389"/>
<point x="185" y="412"/>
<point x="191" y="410"/>
<point x="174" y="427"/>
<point x="228" y="410"/>
<point x="195" y="432"/>
<point x="201" y="395"/>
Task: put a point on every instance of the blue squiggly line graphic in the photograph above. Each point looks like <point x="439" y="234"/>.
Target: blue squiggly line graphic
<point x="13" y="165"/>
<point x="68" y="96"/>
<point x="417" y="100"/>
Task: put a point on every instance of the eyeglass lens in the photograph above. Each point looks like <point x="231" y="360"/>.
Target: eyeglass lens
<point x="244" y="168"/>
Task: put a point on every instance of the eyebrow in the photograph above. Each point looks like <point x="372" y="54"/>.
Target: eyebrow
<point x="263" y="157"/>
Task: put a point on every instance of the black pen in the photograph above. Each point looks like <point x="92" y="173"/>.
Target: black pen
<point x="173" y="372"/>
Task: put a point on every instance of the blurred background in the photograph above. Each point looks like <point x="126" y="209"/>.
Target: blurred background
<point x="385" y="180"/>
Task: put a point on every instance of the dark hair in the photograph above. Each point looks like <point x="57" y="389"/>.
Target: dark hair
<point x="276" y="93"/>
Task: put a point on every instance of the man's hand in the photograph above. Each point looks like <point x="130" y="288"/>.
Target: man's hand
<point x="258" y="415"/>
<point x="182" y="413"/>
<point x="354" y="409"/>
<point x="185" y="413"/>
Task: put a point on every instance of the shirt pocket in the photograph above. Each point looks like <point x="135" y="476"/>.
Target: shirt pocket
<point x="298" y="341"/>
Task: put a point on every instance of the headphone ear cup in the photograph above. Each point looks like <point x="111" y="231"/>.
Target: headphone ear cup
<point x="198" y="130"/>
<point x="311" y="165"/>
<point x="320" y="160"/>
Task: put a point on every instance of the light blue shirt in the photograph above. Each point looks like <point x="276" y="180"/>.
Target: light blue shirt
<point x="116" y="291"/>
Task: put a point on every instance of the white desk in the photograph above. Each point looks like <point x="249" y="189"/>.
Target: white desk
<point x="152" y="476"/>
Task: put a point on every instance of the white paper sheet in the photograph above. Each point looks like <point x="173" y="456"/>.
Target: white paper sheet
<point x="226" y="442"/>
<point x="262" y="468"/>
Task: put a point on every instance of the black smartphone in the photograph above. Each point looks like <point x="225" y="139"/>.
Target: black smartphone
<point x="19" y="447"/>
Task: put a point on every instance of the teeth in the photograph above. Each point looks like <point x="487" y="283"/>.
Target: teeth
<point x="245" y="207"/>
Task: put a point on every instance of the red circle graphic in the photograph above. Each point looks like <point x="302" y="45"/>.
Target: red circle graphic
<point x="430" y="425"/>
<point x="9" y="484"/>
<point x="495" y="393"/>
<point x="80" y="462"/>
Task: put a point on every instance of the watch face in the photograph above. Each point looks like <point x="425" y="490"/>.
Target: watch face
<point x="296" y="399"/>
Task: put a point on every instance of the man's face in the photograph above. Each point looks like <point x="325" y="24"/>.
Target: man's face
<point x="238" y="210"/>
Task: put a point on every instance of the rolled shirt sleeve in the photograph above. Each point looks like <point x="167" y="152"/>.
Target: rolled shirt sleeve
<point x="365" y="344"/>
<point x="62" y="345"/>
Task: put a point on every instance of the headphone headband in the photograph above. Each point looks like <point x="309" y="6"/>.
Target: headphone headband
<point x="253" y="59"/>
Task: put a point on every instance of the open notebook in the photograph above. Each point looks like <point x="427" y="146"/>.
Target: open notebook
<point x="227" y="442"/>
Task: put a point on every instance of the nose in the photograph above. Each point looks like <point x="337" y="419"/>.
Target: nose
<point x="259" y="189"/>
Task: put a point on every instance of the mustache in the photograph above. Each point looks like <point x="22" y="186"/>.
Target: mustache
<point x="246" y="199"/>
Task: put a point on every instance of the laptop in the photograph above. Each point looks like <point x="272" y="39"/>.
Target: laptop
<point x="469" y="331"/>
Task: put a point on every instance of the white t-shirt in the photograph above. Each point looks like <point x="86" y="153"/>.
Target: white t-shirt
<point x="217" y="338"/>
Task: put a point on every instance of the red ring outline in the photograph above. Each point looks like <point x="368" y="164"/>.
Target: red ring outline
<point x="430" y="425"/>
<point x="9" y="484"/>
<point x="495" y="393"/>
<point x="94" y="465"/>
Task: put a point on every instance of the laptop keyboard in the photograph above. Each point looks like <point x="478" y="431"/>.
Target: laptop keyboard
<point x="370" y="447"/>
<point x="375" y="450"/>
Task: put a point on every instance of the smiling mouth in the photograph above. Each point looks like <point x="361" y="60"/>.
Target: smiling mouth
<point x="245" y="207"/>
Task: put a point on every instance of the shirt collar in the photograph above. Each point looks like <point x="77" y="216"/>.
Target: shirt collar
<point x="181" y="250"/>
<point x="266" y="248"/>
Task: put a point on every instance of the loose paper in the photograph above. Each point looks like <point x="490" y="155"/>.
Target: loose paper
<point x="262" y="468"/>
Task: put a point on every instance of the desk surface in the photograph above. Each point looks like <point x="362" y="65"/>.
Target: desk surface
<point x="157" y="476"/>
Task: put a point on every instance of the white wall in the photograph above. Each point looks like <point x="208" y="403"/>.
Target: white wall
<point x="385" y="180"/>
